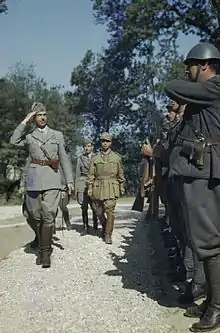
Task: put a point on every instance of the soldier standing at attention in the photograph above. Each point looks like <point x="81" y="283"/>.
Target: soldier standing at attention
<point x="194" y="161"/>
<point x="43" y="182"/>
<point x="106" y="184"/>
<point x="82" y="168"/>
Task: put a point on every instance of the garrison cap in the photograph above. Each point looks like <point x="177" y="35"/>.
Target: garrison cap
<point x="203" y="51"/>
<point x="38" y="107"/>
<point x="106" y="136"/>
<point x="87" y="141"/>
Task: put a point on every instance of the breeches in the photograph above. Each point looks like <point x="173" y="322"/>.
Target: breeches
<point x="105" y="206"/>
<point x="43" y="205"/>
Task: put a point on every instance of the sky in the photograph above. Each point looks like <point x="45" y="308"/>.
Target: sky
<point x="53" y="35"/>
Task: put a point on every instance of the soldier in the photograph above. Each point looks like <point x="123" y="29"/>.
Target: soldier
<point x="145" y="177"/>
<point x="43" y="182"/>
<point x="65" y="198"/>
<point x="82" y="168"/>
<point x="106" y="184"/>
<point x="194" y="161"/>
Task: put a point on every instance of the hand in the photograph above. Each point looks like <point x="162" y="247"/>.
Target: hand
<point x="71" y="188"/>
<point x="29" y="118"/>
<point x="122" y="190"/>
<point x="63" y="194"/>
<point x="21" y="190"/>
<point x="89" y="192"/>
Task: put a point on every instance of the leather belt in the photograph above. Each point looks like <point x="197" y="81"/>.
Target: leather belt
<point x="40" y="162"/>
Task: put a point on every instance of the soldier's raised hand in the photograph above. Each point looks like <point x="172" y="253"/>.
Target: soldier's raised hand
<point x="29" y="118"/>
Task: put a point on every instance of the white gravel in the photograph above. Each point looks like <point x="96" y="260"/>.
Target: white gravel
<point x="90" y="287"/>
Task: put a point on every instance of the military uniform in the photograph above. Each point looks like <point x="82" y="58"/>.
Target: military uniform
<point x="64" y="201"/>
<point x="195" y="161"/>
<point x="43" y="181"/>
<point x="83" y="199"/>
<point x="145" y="177"/>
<point x="105" y="185"/>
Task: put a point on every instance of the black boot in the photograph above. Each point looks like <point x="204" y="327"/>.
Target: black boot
<point x="85" y="223"/>
<point x="66" y="218"/>
<point x="46" y="249"/>
<point x="38" y="259"/>
<point x="193" y="292"/>
<point x="196" y="311"/>
<point x="210" y="320"/>
<point x="35" y="243"/>
<point x="95" y="222"/>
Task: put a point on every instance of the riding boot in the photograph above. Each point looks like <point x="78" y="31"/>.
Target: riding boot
<point x="103" y="222"/>
<point x="46" y="242"/>
<point x="85" y="222"/>
<point x="66" y="218"/>
<point x="95" y="221"/>
<point x="210" y="319"/>
<point x="196" y="289"/>
<point x="39" y="227"/>
<point x="33" y="224"/>
<point x="109" y="228"/>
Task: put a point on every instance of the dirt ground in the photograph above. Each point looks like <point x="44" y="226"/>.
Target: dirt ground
<point x="15" y="233"/>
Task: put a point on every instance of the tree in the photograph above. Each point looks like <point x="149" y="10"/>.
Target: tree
<point x="137" y="22"/>
<point x="18" y="90"/>
<point x="3" y="6"/>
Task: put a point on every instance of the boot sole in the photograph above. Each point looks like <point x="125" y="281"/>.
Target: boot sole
<point x="214" y="330"/>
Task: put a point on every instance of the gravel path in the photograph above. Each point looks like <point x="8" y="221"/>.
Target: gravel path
<point x="91" y="286"/>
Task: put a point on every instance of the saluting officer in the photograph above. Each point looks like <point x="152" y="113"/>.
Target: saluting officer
<point x="43" y="182"/>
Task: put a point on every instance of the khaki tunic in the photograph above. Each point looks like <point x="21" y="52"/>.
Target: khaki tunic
<point x="106" y="176"/>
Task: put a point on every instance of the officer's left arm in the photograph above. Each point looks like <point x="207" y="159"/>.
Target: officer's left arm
<point x="64" y="161"/>
<point x="121" y="177"/>
<point x="184" y="92"/>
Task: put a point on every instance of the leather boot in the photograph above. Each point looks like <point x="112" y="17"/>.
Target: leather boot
<point x="35" y="243"/>
<point x="46" y="241"/>
<point x="33" y="224"/>
<point x="109" y="228"/>
<point x="85" y="223"/>
<point x="38" y="259"/>
<point x="193" y="292"/>
<point x="196" y="311"/>
<point x="95" y="221"/>
<point x="66" y="218"/>
<point x="210" y="320"/>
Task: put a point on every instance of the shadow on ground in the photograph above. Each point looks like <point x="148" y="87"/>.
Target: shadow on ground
<point x="144" y="265"/>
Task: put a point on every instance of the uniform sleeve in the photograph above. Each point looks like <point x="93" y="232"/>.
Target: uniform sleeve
<point x="184" y="92"/>
<point x="91" y="174"/>
<point x="24" y="174"/>
<point x="121" y="178"/>
<point x="77" y="173"/>
<point x="18" y="137"/>
<point x="64" y="161"/>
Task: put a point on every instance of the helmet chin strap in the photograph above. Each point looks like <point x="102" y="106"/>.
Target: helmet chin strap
<point x="199" y="68"/>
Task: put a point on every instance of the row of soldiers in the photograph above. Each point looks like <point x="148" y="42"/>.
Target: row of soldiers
<point x="49" y="181"/>
<point x="186" y="162"/>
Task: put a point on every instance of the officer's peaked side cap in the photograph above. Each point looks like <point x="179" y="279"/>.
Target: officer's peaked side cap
<point x="38" y="107"/>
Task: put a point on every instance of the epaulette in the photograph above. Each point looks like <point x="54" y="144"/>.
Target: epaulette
<point x="119" y="155"/>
